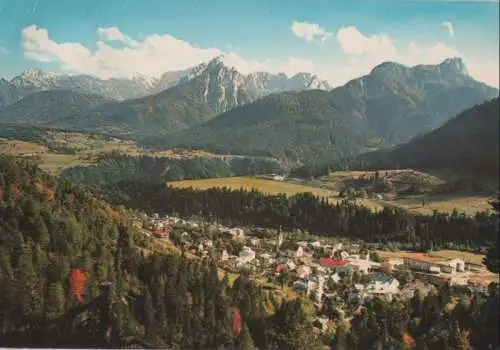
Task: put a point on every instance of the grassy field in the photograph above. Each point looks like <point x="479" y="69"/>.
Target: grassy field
<point x="247" y="183"/>
<point x="443" y="203"/>
<point x="87" y="148"/>
<point x="468" y="203"/>
<point x="49" y="161"/>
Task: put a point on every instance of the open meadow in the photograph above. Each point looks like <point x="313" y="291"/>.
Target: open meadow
<point x="49" y="161"/>
<point x="84" y="149"/>
<point x="247" y="182"/>
<point x="467" y="204"/>
<point x="401" y="179"/>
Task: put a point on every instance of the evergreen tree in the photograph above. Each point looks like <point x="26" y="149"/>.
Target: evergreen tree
<point x="245" y="339"/>
<point x="56" y="298"/>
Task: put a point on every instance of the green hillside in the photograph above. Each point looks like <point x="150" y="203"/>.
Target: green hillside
<point x="387" y="107"/>
<point x="466" y="145"/>
<point x="52" y="107"/>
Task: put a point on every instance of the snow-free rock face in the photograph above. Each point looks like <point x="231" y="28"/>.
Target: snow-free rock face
<point x="281" y="83"/>
<point x="217" y="71"/>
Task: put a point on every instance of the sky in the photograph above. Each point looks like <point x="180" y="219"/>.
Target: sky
<point x="336" y="39"/>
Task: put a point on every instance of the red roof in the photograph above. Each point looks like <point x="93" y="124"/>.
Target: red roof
<point x="281" y="268"/>
<point x="332" y="262"/>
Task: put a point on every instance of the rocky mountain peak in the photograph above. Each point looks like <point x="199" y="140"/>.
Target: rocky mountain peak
<point x="388" y="68"/>
<point x="454" y="65"/>
<point x="35" y="77"/>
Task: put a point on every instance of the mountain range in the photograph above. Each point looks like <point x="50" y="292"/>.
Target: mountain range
<point x="34" y="80"/>
<point x="389" y="106"/>
<point x="216" y="108"/>
<point x="184" y="99"/>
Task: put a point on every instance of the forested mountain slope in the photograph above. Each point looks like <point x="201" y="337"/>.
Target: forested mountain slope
<point x="389" y="106"/>
<point x="113" y="168"/>
<point x="48" y="107"/>
<point x="59" y="243"/>
<point x="467" y="144"/>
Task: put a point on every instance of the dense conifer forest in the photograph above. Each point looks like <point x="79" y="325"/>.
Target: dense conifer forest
<point x="61" y="248"/>
<point x="314" y="214"/>
<point x="116" y="167"/>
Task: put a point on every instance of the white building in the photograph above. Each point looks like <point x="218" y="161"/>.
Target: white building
<point x="344" y="254"/>
<point x="364" y="265"/>
<point x="393" y="262"/>
<point x="458" y="281"/>
<point x="457" y="264"/>
<point x="297" y="253"/>
<point x="246" y="255"/>
<point x="255" y="242"/>
<point x="315" y="244"/>
<point x="337" y="246"/>
<point x="223" y="255"/>
<point x="303" y="271"/>
<point x="236" y="232"/>
<point x="208" y="243"/>
<point x="382" y="285"/>
<point x="422" y="265"/>
<point x="278" y="177"/>
<point x="335" y="278"/>
<point x="265" y="256"/>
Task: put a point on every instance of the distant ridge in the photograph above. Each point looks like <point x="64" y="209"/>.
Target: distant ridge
<point x="389" y="106"/>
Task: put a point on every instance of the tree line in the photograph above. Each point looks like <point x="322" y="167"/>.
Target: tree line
<point x="115" y="167"/>
<point x="316" y="215"/>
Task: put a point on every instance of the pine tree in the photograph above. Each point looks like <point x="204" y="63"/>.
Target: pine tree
<point x="459" y="338"/>
<point x="340" y="341"/>
<point x="149" y="314"/>
<point x="492" y="259"/>
<point x="56" y="298"/>
<point x="245" y="339"/>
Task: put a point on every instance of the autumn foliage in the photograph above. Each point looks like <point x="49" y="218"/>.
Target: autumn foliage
<point x="236" y="321"/>
<point x="77" y="284"/>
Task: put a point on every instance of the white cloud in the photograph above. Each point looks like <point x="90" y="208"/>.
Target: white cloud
<point x="352" y="41"/>
<point x="114" y="34"/>
<point x="156" y="54"/>
<point x="449" y="27"/>
<point x="309" y="31"/>
<point x="153" y="55"/>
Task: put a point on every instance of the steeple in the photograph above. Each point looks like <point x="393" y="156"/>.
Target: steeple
<point x="279" y="241"/>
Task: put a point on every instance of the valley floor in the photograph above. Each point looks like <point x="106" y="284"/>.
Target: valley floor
<point x="462" y="202"/>
<point x="87" y="148"/>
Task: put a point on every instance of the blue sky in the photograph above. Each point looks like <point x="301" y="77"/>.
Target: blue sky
<point x="336" y="39"/>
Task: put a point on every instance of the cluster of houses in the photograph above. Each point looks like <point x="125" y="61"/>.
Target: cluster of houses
<point x="313" y="267"/>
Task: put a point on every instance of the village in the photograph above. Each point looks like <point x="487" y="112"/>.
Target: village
<point x="333" y="275"/>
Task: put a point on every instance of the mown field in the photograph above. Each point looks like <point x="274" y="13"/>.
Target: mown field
<point x="247" y="182"/>
<point x="463" y="202"/>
